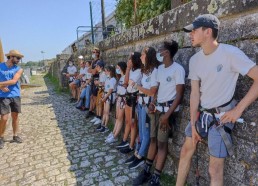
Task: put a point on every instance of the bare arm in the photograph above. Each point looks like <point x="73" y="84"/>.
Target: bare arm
<point x="150" y="92"/>
<point x="251" y="96"/>
<point x="12" y="81"/>
<point x="194" y="104"/>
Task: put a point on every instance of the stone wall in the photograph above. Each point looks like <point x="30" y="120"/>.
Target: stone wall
<point x="239" y="27"/>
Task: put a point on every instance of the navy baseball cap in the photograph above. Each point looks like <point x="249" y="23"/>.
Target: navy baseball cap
<point x="205" y="20"/>
<point x="100" y="64"/>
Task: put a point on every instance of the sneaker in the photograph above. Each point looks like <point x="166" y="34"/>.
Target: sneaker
<point x="97" y="122"/>
<point x="1" y="143"/>
<point x="142" y="178"/>
<point x="93" y="120"/>
<point x="130" y="160"/>
<point x="110" y="135"/>
<point x="104" y="129"/>
<point x="111" y="140"/>
<point x="17" y="139"/>
<point x="78" y="107"/>
<point x="126" y="150"/>
<point x="154" y="181"/>
<point x="122" y="144"/>
<point x="99" y="127"/>
<point x="136" y="163"/>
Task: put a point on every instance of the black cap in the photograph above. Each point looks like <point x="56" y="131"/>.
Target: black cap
<point x="205" y="20"/>
<point x="100" y="64"/>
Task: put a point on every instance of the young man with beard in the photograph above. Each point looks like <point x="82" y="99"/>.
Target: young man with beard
<point x="214" y="71"/>
<point x="10" y="93"/>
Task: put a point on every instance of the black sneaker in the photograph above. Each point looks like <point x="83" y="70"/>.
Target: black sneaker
<point x="130" y="160"/>
<point x="17" y="139"/>
<point x="104" y="129"/>
<point x="122" y="144"/>
<point x="1" y="143"/>
<point x="126" y="150"/>
<point x="136" y="163"/>
<point x="99" y="128"/>
<point x="154" y="181"/>
<point x="142" y="178"/>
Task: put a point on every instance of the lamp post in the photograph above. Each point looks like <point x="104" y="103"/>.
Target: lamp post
<point x="42" y="52"/>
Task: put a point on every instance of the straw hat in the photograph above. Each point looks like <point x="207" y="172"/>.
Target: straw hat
<point x="14" y="53"/>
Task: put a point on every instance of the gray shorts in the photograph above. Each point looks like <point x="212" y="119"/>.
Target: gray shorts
<point x="216" y="145"/>
<point x="8" y="105"/>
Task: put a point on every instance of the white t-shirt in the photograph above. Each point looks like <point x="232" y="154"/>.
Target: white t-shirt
<point x="110" y="83"/>
<point x="218" y="73"/>
<point x="134" y="76"/>
<point x="168" y="78"/>
<point x="120" y="88"/>
<point x="83" y="71"/>
<point x="102" y="77"/>
<point x="148" y="81"/>
<point x="71" y="70"/>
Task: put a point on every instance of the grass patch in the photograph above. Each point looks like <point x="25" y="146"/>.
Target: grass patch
<point x="54" y="81"/>
<point x="167" y="180"/>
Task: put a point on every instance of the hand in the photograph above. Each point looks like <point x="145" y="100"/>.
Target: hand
<point x="67" y="75"/>
<point x="152" y="108"/>
<point x="5" y="89"/>
<point x="129" y="64"/>
<point x="164" y="124"/>
<point x="104" y="99"/>
<point x="231" y="116"/>
<point x="195" y="136"/>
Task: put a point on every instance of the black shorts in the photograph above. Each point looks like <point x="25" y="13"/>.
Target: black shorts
<point x="94" y="90"/>
<point x="8" y="105"/>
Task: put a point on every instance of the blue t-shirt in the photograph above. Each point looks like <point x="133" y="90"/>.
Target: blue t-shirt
<point x="6" y="74"/>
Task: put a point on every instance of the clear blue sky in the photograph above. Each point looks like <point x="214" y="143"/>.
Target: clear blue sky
<point x="32" y="26"/>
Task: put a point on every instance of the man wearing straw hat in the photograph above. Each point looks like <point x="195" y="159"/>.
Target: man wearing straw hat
<point x="10" y="100"/>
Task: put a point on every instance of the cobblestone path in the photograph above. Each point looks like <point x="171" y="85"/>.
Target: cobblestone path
<point x="60" y="147"/>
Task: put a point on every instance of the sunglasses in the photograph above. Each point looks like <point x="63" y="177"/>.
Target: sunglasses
<point x="17" y="57"/>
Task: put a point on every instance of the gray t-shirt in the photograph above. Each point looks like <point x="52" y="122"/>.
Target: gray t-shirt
<point x="218" y="73"/>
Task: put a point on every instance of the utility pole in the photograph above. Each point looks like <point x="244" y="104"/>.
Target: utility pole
<point x="135" y="10"/>
<point x="92" y="33"/>
<point x="103" y="18"/>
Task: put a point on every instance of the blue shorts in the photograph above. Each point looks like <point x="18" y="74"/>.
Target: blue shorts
<point x="77" y="82"/>
<point x="216" y="145"/>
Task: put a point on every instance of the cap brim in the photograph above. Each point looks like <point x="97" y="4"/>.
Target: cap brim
<point x="188" y="28"/>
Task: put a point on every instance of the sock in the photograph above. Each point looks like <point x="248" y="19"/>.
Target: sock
<point x="156" y="176"/>
<point x="148" y="165"/>
<point x="99" y="117"/>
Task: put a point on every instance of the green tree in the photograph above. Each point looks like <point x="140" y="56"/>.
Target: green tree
<point x="146" y="9"/>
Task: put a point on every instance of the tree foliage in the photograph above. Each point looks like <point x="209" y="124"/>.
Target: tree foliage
<point x="146" y="9"/>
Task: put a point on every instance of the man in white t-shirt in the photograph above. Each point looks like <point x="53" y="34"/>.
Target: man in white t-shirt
<point x="71" y="74"/>
<point x="214" y="71"/>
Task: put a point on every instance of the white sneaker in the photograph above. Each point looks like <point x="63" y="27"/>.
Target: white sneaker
<point x="111" y="140"/>
<point x="110" y="135"/>
<point x="97" y="122"/>
<point x="94" y="120"/>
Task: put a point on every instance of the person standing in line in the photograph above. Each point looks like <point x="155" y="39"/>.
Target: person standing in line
<point x="214" y="71"/>
<point x="133" y="75"/>
<point x="147" y="90"/>
<point x="171" y="80"/>
<point x="120" y="103"/>
<point x="10" y="94"/>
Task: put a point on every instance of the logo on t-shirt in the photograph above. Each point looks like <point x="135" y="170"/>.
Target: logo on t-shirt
<point x="169" y="79"/>
<point x="219" y="67"/>
<point x="148" y="79"/>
